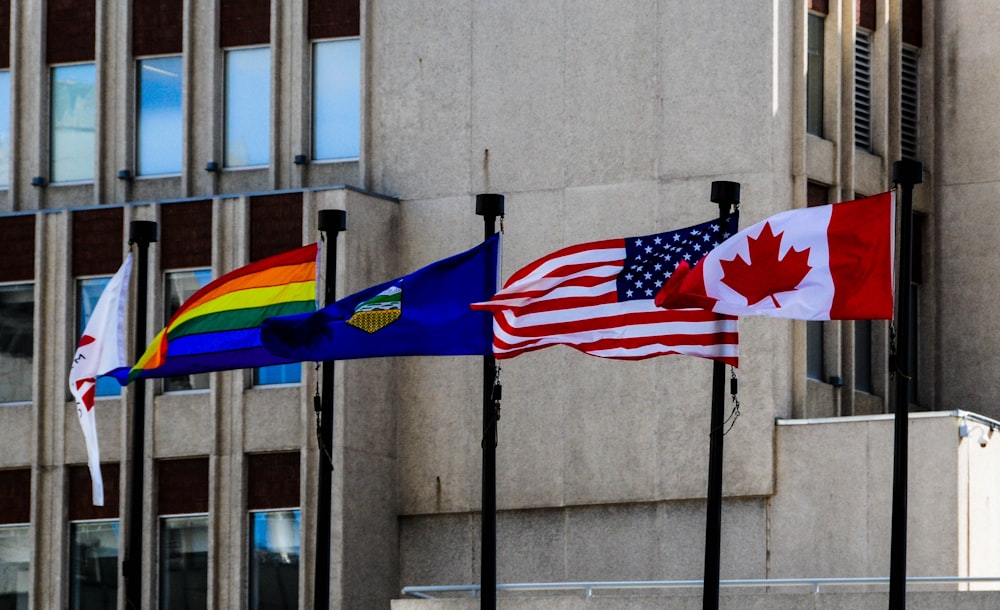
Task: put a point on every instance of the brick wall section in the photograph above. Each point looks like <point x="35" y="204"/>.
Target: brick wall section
<point x="157" y="27"/>
<point x="186" y="234"/>
<point x="272" y="481"/>
<point x="17" y="248"/>
<point x="97" y="241"/>
<point x="70" y="31"/>
<point x="334" y="18"/>
<point x="244" y="22"/>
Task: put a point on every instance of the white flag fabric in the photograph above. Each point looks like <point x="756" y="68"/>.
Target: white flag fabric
<point x="101" y="349"/>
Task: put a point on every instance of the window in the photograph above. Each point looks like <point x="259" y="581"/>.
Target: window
<point x="248" y="107"/>
<point x="863" y="351"/>
<point x="814" y="75"/>
<point x="182" y="502"/>
<point x="17" y="336"/>
<point x="94" y="566"/>
<point x="88" y="292"/>
<point x="909" y="100"/>
<point x="184" y="562"/>
<point x="180" y="285"/>
<point x="15" y="558"/>
<point x="816" y="194"/>
<point x="278" y="374"/>
<point x="336" y="99"/>
<point x="274" y="559"/>
<point x="190" y="257"/>
<point x="273" y="481"/>
<point x="96" y="256"/>
<point x="70" y="50"/>
<point x="17" y="306"/>
<point x="916" y="279"/>
<point x="863" y="356"/>
<point x="72" y="123"/>
<point x="913" y="23"/>
<point x="15" y="538"/>
<point x="159" y="121"/>
<point x="814" y="350"/>
<point x="863" y="90"/>
<point x="93" y="544"/>
<point x="275" y="227"/>
<point x="4" y="128"/>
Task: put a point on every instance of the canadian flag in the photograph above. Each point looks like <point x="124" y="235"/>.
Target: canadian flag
<point x="101" y="349"/>
<point x="829" y="262"/>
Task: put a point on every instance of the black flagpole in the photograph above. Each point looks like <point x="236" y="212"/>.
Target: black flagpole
<point x="905" y="173"/>
<point x="331" y="222"/>
<point x="141" y="233"/>
<point x="726" y="194"/>
<point x="489" y="206"/>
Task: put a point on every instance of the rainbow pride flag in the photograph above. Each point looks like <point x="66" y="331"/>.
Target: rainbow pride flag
<point x="218" y="328"/>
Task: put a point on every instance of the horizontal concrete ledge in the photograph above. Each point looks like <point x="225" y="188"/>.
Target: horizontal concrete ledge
<point x="956" y="413"/>
<point x="926" y="600"/>
<point x="589" y="588"/>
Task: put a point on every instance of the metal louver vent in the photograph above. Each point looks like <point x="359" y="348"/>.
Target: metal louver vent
<point x="908" y="132"/>
<point x="863" y="90"/>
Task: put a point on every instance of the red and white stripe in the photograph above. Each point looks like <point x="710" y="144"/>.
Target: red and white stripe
<point x="570" y="298"/>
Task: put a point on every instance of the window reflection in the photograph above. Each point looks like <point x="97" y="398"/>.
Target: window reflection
<point x="15" y="557"/>
<point x="17" y="336"/>
<point x="248" y="107"/>
<point x="184" y="563"/>
<point x="337" y="99"/>
<point x="4" y="128"/>
<point x="274" y="559"/>
<point x="278" y="374"/>
<point x="160" y="120"/>
<point x="180" y="285"/>
<point x="814" y="76"/>
<point x="94" y="565"/>
<point x="73" y="116"/>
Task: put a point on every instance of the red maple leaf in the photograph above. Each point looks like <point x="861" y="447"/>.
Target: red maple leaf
<point x="766" y="275"/>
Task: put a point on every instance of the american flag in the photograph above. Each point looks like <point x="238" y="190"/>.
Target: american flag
<point x="598" y="298"/>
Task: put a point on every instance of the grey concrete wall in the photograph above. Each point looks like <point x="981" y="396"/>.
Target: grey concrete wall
<point x="596" y="122"/>
<point x="775" y="601"/>
<point x="833" y="496"/>
<point x="365" y="469"/>
<point x="469" y="97"/>
<point x="966" y="188"/>
<point x="649" y="541"/>
<point x="829" y="517"/>
<point x="978" y="501"/>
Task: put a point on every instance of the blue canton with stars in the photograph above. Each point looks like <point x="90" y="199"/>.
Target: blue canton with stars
<point x="651" y="259"/>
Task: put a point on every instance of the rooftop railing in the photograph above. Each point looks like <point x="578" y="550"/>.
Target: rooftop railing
<point x="588" y="588"/>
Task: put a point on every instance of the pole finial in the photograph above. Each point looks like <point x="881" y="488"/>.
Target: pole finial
<point x="332" y="221"/>
<point x="142" y="232"/>
<point x="907" y="171"/>
<point x="489" y="204"/>
<point x="725" y="192"/>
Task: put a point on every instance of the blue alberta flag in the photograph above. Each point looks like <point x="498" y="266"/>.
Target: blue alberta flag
<point x="425" y="313"/>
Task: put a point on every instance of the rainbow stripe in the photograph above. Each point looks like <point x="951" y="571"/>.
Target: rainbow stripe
<point x="218" y="328"/>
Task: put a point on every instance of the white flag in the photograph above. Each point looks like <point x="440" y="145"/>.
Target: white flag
<point x="101" y="349"/>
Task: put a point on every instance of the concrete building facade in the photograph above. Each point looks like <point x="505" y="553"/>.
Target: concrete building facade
<point x="595" y="120"/>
